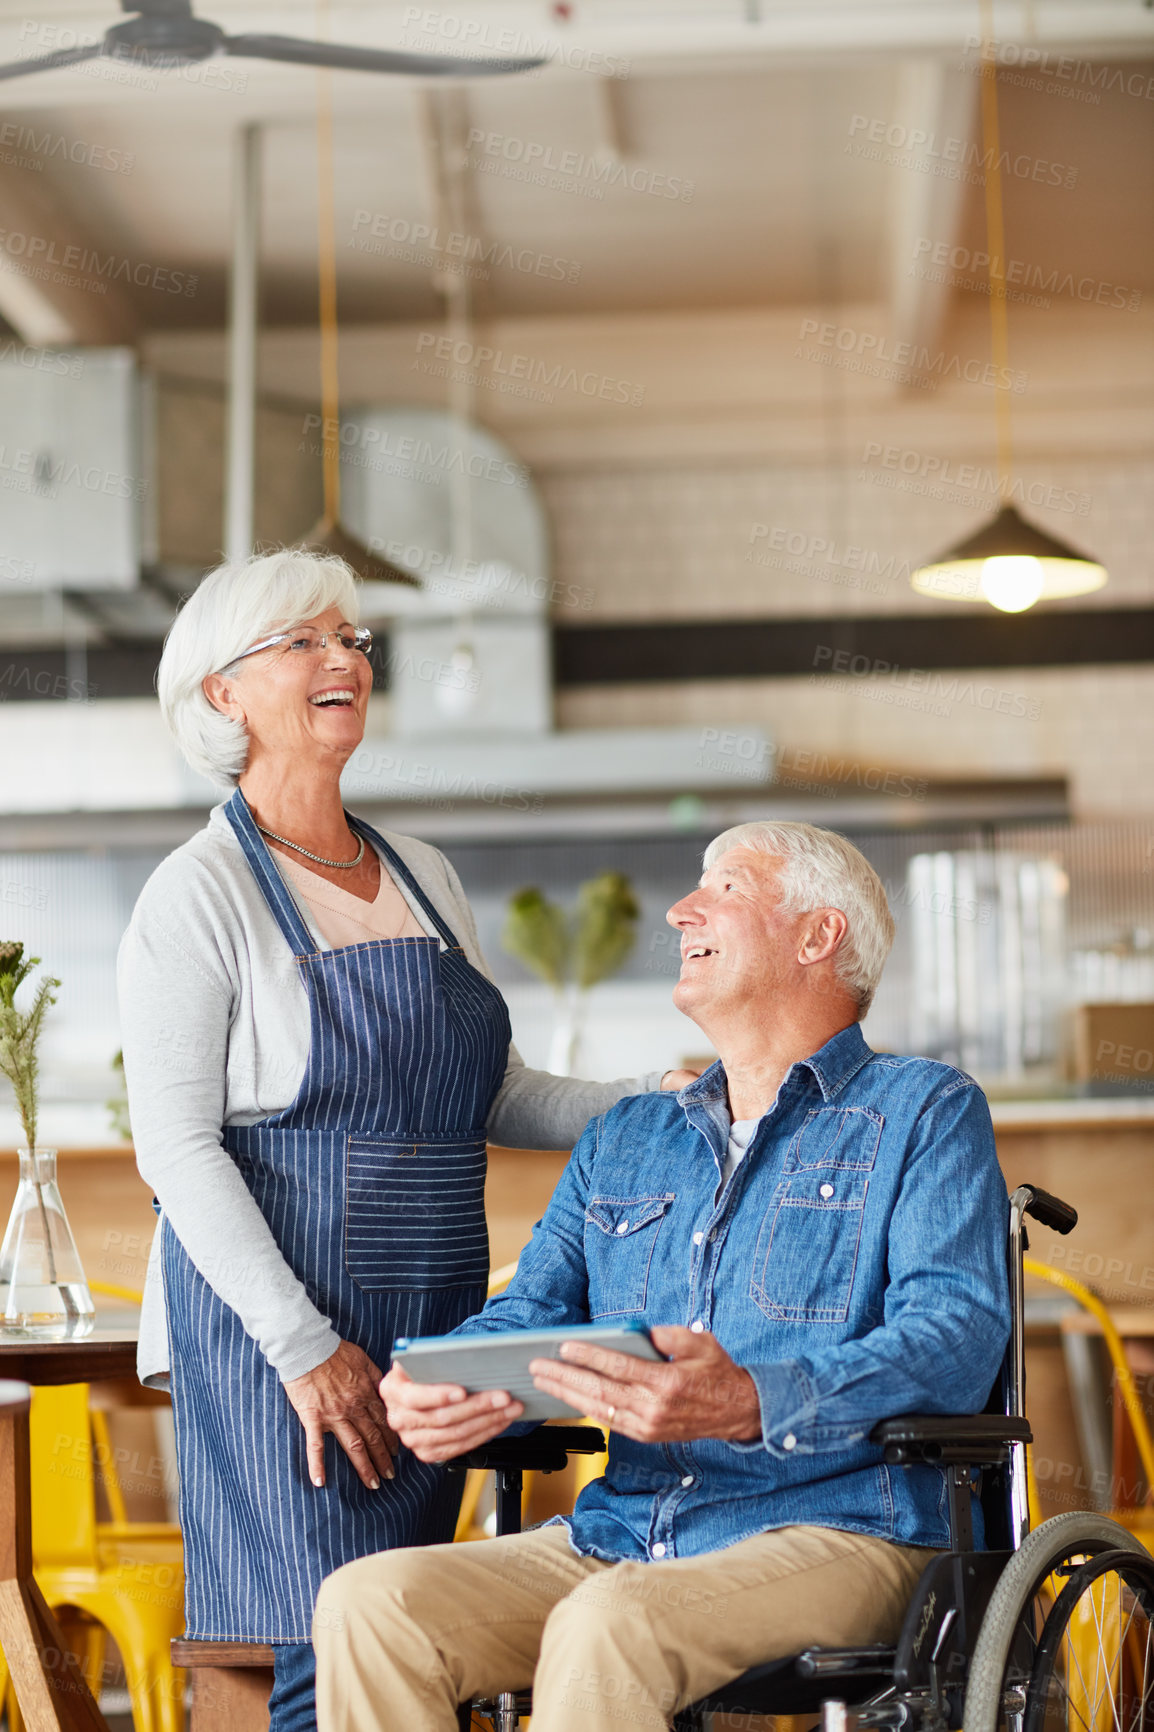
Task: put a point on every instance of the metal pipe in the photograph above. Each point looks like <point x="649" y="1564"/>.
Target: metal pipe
<point x="1016" y="1392"/>
<point x="240" y="460"/>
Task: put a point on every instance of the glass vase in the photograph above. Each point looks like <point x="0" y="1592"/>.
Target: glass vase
<point x="568" y="1028"/>
<point x="43" y="1292"/>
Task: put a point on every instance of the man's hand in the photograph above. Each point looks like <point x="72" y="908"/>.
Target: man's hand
<point x="440" y="1420"/>
<point x="697" y="1392"/>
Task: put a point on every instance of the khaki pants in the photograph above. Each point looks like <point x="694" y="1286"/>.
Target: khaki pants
<point x="404" y="1636"/>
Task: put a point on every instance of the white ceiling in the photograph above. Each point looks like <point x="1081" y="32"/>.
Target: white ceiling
<point x="753" y="103"/>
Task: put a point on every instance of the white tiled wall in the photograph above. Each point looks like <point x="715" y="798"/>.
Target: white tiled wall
<point x="1092" y="724"/>
<point x="680" y="541"/>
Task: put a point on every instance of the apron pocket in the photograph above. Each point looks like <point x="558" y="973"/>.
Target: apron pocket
<point x="415" y="1213"/>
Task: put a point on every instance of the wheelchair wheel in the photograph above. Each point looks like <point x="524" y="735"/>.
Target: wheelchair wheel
<point x="1009" y="1642"/>
<point x="1095" y="1660"/>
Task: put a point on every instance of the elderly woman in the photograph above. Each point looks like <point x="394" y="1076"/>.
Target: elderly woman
<point x="315" y="1057"/>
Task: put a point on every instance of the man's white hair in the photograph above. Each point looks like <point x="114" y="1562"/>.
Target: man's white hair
<point x="234" y="607"/>
<point x="820" y="869"/>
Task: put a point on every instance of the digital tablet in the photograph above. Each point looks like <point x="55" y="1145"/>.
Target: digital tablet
<point x="479" y="1362"/>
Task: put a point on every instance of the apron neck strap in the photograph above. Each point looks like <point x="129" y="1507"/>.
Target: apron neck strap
<point x="273" y="887"/>
<point x="401" y="872"/>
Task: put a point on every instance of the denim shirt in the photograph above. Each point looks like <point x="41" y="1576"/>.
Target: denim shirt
<point x="855" y="1265"/>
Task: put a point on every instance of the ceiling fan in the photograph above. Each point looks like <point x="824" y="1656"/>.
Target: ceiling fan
<point x="164" y="33"/>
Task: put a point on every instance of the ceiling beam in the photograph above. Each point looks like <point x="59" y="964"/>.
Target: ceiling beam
<point x="854" y="646"/>
<point x="58" y="289"/>
<point x="899" y="647"/>
<point x="935" y="123"/>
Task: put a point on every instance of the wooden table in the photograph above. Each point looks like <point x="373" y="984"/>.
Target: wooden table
<point x="49" y="1685"/>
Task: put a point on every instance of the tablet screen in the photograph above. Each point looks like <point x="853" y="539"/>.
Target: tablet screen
<point x="479" y="1362"/>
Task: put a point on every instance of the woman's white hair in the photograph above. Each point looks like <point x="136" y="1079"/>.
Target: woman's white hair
<point x="822" y="870"/>
<point x="234" y="607"/>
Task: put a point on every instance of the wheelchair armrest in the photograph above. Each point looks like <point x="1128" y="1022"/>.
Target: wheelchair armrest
<point x="545" y="1450"/>
<point x="973" y="1440"/>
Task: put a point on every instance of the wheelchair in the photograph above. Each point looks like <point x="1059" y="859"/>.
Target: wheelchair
<point x="1041" y="1631"/>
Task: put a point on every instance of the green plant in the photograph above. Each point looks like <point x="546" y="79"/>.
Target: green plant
<point x="19" y="1035"/>
<point x="581" y="948"/>
<point x="20" y="1032"/>
<point x="606" y="927"/>
<point x="117" y="1104"/>
<point x="536" y="933"/>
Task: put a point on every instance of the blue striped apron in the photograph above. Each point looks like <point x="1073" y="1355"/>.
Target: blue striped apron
<point x="372" y="1182"/>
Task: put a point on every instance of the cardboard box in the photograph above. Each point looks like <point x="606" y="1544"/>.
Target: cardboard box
<point x="1114" y="1048"/>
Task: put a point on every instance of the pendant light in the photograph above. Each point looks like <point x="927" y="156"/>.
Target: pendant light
<point x="1009" y="562"/>
<point x="328" y="534"/>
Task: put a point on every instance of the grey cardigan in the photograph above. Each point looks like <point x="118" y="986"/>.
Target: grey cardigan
<point x="215" y="1026"/>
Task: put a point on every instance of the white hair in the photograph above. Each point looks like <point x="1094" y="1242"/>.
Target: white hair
<point x="234" y="607"/>
<point x="822" y="870"/>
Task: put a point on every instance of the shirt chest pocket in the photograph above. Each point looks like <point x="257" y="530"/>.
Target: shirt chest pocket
<point x="620" y="1240"/>
<point x="807" y="1250"/>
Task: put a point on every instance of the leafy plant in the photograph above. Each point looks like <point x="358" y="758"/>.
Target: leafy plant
<point x="19" y="1035"/>
<point x="20" y="1032"/>
<point x="537" y="934"/>
<point x="581" y="948"/>
<point x="117" y="1104"/>
<point x="606" y="927"/>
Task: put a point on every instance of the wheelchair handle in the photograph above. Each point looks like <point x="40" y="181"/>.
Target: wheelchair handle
<point x="1050" y="1210"/>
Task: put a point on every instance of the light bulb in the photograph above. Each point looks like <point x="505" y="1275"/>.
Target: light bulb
<point x="458" y="682"/>
<point x="1012" y="582"/>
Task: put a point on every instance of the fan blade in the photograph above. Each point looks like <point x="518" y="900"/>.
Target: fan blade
<point x="45" y="62"/>
<point x="301" y="53"/>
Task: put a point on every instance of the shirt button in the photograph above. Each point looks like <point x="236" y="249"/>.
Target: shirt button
<point x="697" y="1328"/>
<point x="826" y="1191"/>
<point x="657" y="1551"/>
<point x="623" y="1226"/>
<point x="688" y="1480"/>
<point x="697" y="1238"/>
<point x="789" y="1441"/>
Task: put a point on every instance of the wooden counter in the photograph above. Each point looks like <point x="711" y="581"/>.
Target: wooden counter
<point x="1098" y="1155"/>
<point x="110" y="1206"/>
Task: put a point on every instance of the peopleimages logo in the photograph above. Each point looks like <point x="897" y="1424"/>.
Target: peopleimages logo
<point x="42" y="360"/>
<point x="388" y="232"/>
<point x="872" y="350"/>
<point x="521" y="375"/>
<point x="22" y="146"/>
<point x="899" y="146"/>
<point x="925" y="472"/>
<point x="474" y="38"/>
<point x="37" y="255"/>
<point x="1065" y="72"/>
<point x="371" y="448"/>
<point x="926" y="689"/>
<point x="1030" y="276"/>
<point x="824" y="559"/>
<point x="542" y="164"/>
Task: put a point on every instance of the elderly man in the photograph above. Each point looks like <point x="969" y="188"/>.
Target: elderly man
<point x="814" y="1234"/>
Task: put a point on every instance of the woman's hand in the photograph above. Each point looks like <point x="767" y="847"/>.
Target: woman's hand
<point x="340" y="1396"/>
<point x="677" y="1079"/>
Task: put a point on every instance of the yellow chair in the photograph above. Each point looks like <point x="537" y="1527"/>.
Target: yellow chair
<point x="118" y="1578"/>
<point x="1097" y="1631"/>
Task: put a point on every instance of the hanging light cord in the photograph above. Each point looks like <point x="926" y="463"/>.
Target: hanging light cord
<point x="327" y="283"/>
<point x="996" y="249"/>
